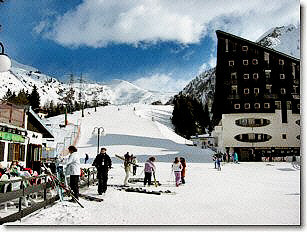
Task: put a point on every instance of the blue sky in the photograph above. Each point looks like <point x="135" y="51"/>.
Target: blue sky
<point x="158" y="45"/>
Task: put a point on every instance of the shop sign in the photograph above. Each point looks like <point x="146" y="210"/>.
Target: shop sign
<point x="11" y="137"/>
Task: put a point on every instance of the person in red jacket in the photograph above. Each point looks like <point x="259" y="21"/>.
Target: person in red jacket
<point x="183" y="163"/>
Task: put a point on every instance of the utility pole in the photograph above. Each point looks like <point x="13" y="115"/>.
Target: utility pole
<point x="80" y="95"/>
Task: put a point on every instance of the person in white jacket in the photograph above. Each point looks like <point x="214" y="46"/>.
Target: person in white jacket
<point x="177" y="168"/>
<point x="73" y="169"/>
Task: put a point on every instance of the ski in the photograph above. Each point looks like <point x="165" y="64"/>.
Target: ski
<point x="122" y="158"/>
<point x="59" y="174"/>
<point x="140" y="190"/>
<point x="146" y="191"/>
<point x="90" y="198"/>
<point x="141" y="180"/>
<point x="61" y="185"/>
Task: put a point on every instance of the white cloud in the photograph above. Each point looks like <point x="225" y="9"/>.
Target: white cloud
<point x="98" y="23"/>
<point x="161" y="82"/>
<point x="211" y="63"/>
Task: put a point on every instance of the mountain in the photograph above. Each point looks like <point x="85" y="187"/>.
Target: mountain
<point x="202" y="87"/>
<point x="117" y="92"/>
<point x="285" y="39"/>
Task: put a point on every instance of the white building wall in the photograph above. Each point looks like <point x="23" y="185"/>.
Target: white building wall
<point x="275" y="129"/>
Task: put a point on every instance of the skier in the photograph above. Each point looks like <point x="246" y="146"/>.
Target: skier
<point x="183" y="163"/>
<point x="218" y="163"/>
<point x="148" y="169"/>
<point x="214" y="160"/>
<point x="177" y="168"/>
<point x="73" y="169"/>
<point x="134" y="161"/>
<point x="235" y="157"/>
<point x="103" y="164"/>
<point x="127" y="164"/>
<point x="86" y="158"/>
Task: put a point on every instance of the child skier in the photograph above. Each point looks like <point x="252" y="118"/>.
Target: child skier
<point x="148" y="169"/>
<point x="177" y="168"/>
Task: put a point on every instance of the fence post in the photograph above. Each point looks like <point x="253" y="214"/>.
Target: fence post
<point x="93" y="177"/>
<point x="88" y="177"/>
<point x="20" y="199"/>
<point x="45" y="192"/>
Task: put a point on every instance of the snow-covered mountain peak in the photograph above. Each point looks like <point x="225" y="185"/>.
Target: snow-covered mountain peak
<point x="285" y="39"/>
<point x="118" y="92"/>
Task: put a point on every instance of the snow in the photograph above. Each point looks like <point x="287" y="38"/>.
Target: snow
<point x="117" y="92"/>
<point x="130" y="128"/>
<point x="240" y="194"/>
<point x="285" y="39"/>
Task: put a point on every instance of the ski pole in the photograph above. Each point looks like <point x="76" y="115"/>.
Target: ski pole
<point x="154" y="176"/>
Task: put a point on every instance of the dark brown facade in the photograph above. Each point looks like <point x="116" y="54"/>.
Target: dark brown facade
<point x="251" y="78"/>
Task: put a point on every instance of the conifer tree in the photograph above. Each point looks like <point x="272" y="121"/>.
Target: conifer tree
<point x="34" y="98"/>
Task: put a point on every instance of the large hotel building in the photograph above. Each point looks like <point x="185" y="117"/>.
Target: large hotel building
<point x="257" y="100"/>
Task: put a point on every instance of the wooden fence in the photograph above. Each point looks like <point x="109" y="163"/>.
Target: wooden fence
<point x="29" y="186"/>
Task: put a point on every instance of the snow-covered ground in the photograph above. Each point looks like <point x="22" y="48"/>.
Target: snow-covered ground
<point x="240" y="194"/>
<point x="143" y="130"/>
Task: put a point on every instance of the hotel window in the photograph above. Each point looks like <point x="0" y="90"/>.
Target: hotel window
<point x="293" y="70"/>
<point x="251" y="137"/>
<point x="267" y="57"/>
<point x="255" y="76"/>
<point x="281" y="62"/>
<point x="231" y="63"/>
<point x="246" y="76"/>
<point x="234" y="47"/>
<point x="256" y="90"/>
<point x="283" y="91"/>
<point x="255" y="61"/>
<point x="244" y="48"/>
<point x="266" y="105"/>
<point x="268" y="88"/>
<point x="234" y="89"/>
<point x="278" y="105"/>
<point x="226" y="45"/>
<point x="267" y="74"/>
<point x="245" y="62"/>
<point x="295" y="89"/>
<point x="247" y="106"/>
<point x="257" y="106"/>
<point x="246" y="91"/>
<point x="289" y="105"/>
<point x="233" y="76"/>
<point x="282" y="76"/>
<point x="237" y="106"/>
<point x="298" y="106"/>
<point x="284" y="136"/>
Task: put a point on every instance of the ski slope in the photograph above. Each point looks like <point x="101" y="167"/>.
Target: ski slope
<point x="140" y="129"/>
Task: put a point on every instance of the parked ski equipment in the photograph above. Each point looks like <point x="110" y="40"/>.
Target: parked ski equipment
<point x="61" y="185"/>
